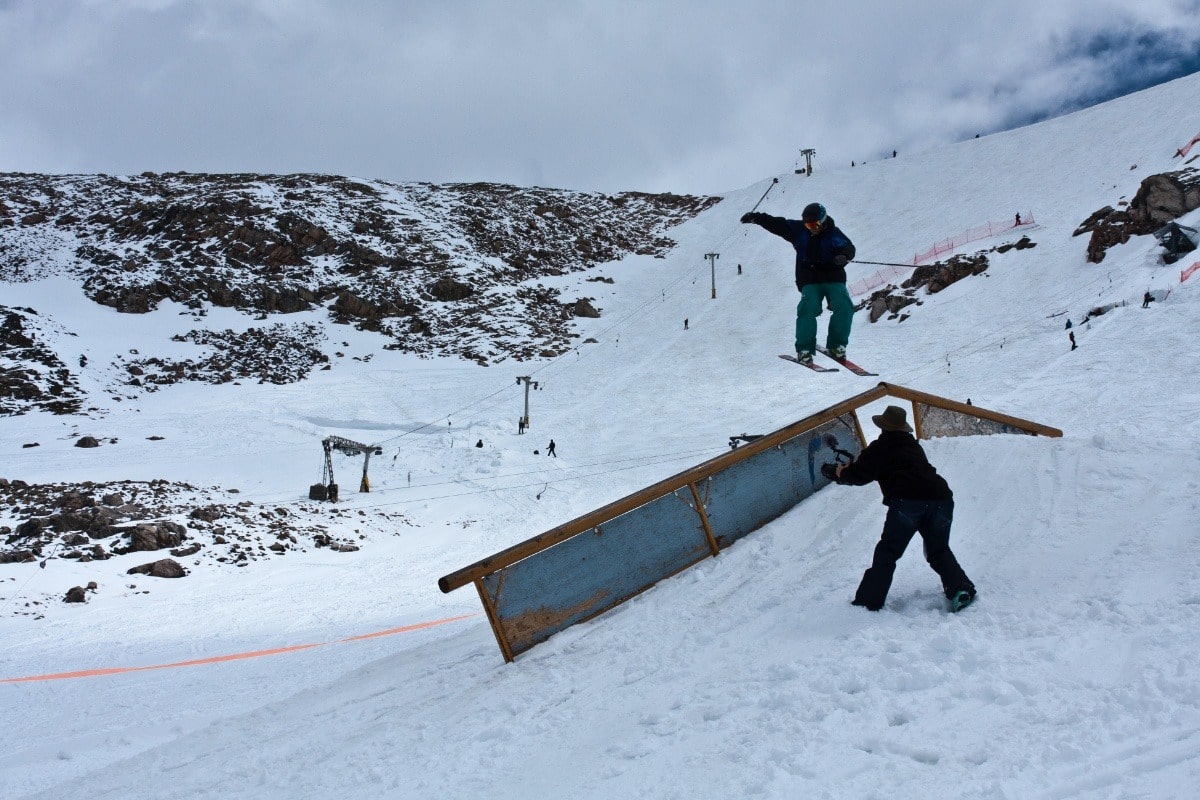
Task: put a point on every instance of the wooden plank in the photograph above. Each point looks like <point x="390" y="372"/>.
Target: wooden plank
<point x="497" y="630"/>
<point x="916" y="415"/>
<point x="712" y="542"/>
<point x="970" y="410"/>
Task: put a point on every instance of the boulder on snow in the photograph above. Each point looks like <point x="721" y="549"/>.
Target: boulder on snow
<point x="163" y="568"/>
<point x="584" y="308"/>
<point x="148" y="536"/>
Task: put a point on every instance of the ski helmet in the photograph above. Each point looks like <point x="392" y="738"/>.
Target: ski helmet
<point x="813" y="212"/>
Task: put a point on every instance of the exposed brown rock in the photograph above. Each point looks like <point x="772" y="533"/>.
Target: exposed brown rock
<point x="163" y="568"/>
<point x="584" y="308"/>
<point x="1160" y="198"/>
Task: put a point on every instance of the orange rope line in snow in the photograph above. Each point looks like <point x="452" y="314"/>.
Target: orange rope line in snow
<point x="92" y="673"/>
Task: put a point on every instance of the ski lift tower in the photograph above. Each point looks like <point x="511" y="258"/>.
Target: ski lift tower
<point x="808" y="154"/>
<point x="528" y="381"/>
<point x="327" y="489"/>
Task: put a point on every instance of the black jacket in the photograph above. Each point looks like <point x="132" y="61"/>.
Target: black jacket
<point x="897" y="461"/>
<point x="814" y="252"/>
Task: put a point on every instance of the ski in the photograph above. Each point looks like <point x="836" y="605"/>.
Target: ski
<point x="810" y="365"/>
<point x="850" y="365"/>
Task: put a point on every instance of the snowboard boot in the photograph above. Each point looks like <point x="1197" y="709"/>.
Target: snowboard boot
<point x="961" y="599"/>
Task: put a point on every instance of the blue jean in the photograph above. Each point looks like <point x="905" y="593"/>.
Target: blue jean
<point x="932" y="519"/>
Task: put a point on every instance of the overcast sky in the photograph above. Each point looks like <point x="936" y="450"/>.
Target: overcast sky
<point x="651" y="95"/>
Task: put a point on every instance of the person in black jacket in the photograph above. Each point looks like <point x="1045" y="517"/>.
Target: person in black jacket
<point x="822" y="252"/>
<point x="918" y="500"/>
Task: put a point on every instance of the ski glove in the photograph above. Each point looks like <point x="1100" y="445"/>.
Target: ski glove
<point x="829" y="471"/>
<point x="840" y="260"/>
<point x="749" y="216"/>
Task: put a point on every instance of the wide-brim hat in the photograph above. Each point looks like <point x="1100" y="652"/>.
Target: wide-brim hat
<point x="893" y="418"/>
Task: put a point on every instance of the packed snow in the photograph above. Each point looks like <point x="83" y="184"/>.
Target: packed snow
<point x="1073" y="675"/>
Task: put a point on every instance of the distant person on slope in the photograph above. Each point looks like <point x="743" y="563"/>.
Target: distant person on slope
<point x="822" y="252"/>
<point x="918" y="500"/>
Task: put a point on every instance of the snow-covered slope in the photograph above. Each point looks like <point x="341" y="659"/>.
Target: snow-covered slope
<point x="748" y="676"/>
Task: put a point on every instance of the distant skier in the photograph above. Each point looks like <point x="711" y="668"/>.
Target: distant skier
<point x="918" y="500"/>
<point x="822" y="252"/>
<point x="1018" y="219"/>
<point x="550" y="449"/>
<point x="1072" y="336"/>
<point x="1147" y="299"/>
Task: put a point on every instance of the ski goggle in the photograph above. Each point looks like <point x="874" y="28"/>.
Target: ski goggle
<point x="813" y="225"/>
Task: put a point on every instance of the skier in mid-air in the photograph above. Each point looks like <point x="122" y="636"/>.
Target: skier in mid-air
<point x="918" y="500"/>
<point x="822" y="252"/>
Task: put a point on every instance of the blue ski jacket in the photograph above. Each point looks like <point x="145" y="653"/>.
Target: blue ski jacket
<point x="814" y="251"/>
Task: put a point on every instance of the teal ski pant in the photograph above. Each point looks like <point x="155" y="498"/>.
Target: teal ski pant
<point x="812" y="300"/>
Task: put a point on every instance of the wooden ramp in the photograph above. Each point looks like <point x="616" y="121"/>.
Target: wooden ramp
<point x="585" y="567"/>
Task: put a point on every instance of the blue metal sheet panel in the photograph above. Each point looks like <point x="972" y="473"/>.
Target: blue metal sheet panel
<point x="596" y="570"/>
<point x="753" y="492"/>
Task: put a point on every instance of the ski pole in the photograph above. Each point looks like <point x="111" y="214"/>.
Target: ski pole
<point x="764" y="197"/>
<point x="883" y="263"/>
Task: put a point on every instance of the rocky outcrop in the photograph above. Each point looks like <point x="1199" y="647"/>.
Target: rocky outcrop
<point x="446" y="289"/>
<point x="936" y="277"/>
<point x="1159" y="199"/>
<point x="438" y="270"/>
<point x="94" y="522"/>
<point x="163" y="568"/>
<point x="890" y="301"/>
<point x="150" y="536"/>
<point x="32" y="376"/>
<point x="583" y="308"/>
<point x="274" y="354"/>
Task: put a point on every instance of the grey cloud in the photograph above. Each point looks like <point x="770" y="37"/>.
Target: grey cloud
<point x="649" y="95"/>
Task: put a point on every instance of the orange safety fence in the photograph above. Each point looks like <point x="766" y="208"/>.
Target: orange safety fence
<point x="1183" y="151"/>
<point x="973" y="235"/>
<point x="92" y="673"/>
<point x="889" y="275"/>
